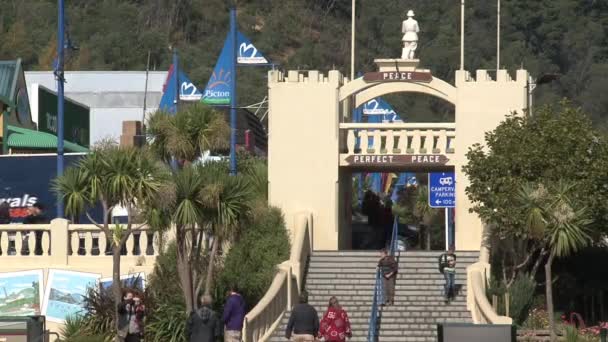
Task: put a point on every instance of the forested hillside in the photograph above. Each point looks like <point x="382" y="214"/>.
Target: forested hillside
<point x="568" y="37"/>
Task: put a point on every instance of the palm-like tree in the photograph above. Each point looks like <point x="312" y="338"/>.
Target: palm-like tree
<point x="202" y="199"/>
<point x="112" y="176"/>
<point x="186" y="135"/>
<point x="424" y="213"/>
<point x="227" y="201"/>
<point x="559" y="223"/>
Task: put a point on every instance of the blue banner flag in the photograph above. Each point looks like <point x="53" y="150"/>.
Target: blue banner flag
<point x="247" y="54"/>
<point x="377" y="110"/>
<point x="217" y="91"/>
<point x="187" y="91"/>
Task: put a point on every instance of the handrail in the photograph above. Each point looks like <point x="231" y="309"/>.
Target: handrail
<point x="372" y="330"/>
<point x="288" y="282"/>
<point x="264" y="310"/>
<point x="482" y="311"/>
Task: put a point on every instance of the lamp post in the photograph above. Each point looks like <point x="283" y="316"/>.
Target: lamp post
<point x="60" y="99"/>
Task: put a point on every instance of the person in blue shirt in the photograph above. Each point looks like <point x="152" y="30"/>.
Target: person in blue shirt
<point x="234" y="315"/>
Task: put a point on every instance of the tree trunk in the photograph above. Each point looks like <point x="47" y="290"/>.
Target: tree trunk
<point x="184" y="270"/>
<point x="428" y="237"/>
<point x="209" y="281"/>
<point x="602" y="305"/>
<point x="116" y="286"/>
<point x="549" y="295"/>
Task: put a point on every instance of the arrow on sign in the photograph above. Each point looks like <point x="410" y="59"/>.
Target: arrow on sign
<point x="437" y="202"/>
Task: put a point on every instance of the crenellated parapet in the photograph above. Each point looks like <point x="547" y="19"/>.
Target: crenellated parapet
<point x="307" y="76"/>
<point x="502" y="77"/>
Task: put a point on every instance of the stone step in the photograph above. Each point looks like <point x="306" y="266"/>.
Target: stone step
<point x="419" y="303"/>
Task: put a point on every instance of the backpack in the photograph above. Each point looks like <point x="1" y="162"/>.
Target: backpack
<point x="443" y="262"/>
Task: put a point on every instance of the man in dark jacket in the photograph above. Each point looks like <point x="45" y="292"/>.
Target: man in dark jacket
<point x="234" y="315"/>
<point x="388" y="269"/>
<point x="303" y="323"/>
<point x="203" y="324"/>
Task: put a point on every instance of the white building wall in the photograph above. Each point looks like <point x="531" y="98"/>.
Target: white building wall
<point x="113" y="96"/>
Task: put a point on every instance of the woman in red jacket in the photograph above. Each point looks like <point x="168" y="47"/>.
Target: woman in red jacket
<point x="335" y="326"/>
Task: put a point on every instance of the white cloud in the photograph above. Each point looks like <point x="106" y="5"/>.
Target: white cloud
<point x="61" y="279"/>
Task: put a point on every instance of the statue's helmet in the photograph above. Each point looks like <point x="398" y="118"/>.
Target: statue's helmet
<point x="410" y="13"/>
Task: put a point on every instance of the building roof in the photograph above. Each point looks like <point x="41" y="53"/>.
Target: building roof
<point x="22" y="138"/>
<point x="101" y="81"/>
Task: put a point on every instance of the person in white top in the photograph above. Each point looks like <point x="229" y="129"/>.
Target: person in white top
<point x="410" y="31"/>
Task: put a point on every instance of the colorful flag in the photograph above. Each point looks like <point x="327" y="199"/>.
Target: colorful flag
<point x="187" y="91"/>
<point x="217" y="91"/>
<point x="247" y="54"/>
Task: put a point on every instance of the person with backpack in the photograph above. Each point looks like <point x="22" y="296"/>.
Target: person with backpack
<point x="204" y="324"/>
<point x="447" y="266"/>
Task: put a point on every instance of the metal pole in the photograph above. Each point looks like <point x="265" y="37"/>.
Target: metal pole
<point x="176" y="76"/>
<point x="461" y="34"/>
<point x="447" y="229"/>
<point x="530" y="91"/>
<point x="233" y="91"/>
<point x="498" y="37"/>
<point x="352" y="42"/>
<point x="143" y="117"/>
<point x="60" y="99"/>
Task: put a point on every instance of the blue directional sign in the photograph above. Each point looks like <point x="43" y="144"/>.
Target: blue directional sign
<point x="442" y="190"/>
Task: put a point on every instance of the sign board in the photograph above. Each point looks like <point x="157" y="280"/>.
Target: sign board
<point x="394" y="76"/>
<point x="442" y="190"/>
<point x="27" y="179"/>
<point x="397" y="160"/>
<point x="76" y="124"/>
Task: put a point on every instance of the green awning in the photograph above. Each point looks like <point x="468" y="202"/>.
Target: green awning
<point x="29" y="139"/>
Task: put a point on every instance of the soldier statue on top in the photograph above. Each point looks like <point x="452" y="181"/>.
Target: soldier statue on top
<point x="410" y="31"/>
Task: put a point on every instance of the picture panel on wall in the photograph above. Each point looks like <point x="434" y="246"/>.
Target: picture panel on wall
<point x="65" y="293"/>
<point x="21" y="293"/>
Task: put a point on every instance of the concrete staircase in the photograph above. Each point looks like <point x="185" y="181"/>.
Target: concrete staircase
<point x="419" y="304"/>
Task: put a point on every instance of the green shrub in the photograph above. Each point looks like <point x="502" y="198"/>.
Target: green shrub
<point x="251" y="262"/>
<point x="167" y="323"/>
<point x="521" y="295"/>
<point x="166" y="317"/>
<point x="76" y="329"/>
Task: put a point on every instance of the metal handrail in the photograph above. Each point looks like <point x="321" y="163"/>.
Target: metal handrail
<point x="372" y="331"/>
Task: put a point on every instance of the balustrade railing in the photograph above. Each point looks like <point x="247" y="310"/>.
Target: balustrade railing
<point x="399" y="138"/>
<point x="60" y="241"/>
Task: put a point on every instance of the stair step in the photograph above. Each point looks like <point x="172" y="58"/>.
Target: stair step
<point x="419" y="302"/>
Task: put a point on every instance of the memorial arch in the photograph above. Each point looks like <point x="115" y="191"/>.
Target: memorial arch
<point x="312" y="141"/>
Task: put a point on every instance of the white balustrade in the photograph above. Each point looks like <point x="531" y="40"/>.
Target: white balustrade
<point x="86" y="241"/>
<point x="399" y="138"/>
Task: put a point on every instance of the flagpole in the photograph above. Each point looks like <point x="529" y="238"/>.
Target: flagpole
<point x="176" y="79"/>
<point x="461" y="34"/>
<point x="498" y="36"/>
<point x="352" y="43"/>
<point x="60" y="100"/>
<point x="233" y="91"/>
